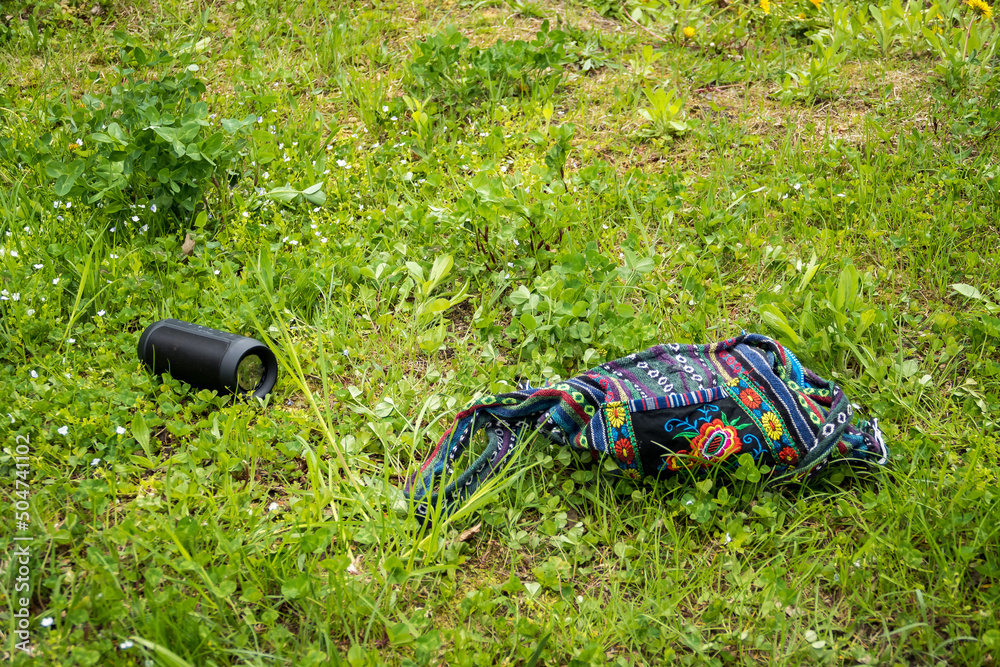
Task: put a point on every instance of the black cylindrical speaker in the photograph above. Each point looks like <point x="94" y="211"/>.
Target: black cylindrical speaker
<point x="208" y="358"/>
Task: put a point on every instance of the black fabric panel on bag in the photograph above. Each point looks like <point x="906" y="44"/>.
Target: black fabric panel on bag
<point x="703" y="433"/>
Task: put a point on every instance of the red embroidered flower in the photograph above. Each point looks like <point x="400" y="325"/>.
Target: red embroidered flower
<point x="788" y="455"/>
<point x="715" y="441"/>
<point x="623" y="451"/>
<point x="675" y="462"/>
<point x="750" y="398"/>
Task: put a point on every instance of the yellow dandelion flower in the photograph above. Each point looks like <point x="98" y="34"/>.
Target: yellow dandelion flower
<point x="816" y="3"/>
<point x="689" y="31"/>
<point x="72" y="146"/>
<point x="980" y="9"/>
<point x="765" y="5"/>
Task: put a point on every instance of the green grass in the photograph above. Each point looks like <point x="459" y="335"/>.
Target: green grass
<point x="842" y="200"/>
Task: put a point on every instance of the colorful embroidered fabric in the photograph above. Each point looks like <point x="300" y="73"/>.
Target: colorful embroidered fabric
<point x="670" y="408"/>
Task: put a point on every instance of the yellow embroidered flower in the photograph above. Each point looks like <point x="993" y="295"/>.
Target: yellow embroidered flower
<point x="689" y="32"/>
<point x="616" y="414"/>
<point x="772" y="425"/>
<point x="980" y="9"/>
<point x="733" y="382"/>
<point x="765" y="5"/>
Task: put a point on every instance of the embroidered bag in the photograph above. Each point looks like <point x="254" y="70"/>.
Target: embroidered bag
<point x="668" y="409"/>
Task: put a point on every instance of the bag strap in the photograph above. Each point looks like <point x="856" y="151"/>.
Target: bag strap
<point x="424" y="485"/>
<point x="837" y="423"/>
<point x="838" y="426"/>
<point x="830" y="431"/>
<point x="506" y="417"/>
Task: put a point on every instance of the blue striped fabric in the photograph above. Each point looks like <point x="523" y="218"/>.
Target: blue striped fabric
<point x="677" y="400"/>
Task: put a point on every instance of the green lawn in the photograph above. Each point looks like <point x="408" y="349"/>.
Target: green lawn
<point x="418" y="205"/>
